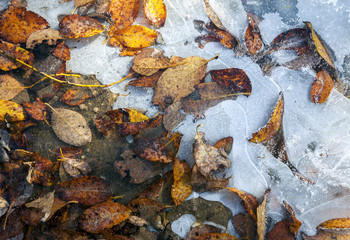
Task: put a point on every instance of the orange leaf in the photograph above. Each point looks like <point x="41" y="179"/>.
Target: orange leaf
<point x="336" y="223"/>
<point x="321" y="87"/>
<point x="136" y="36"/>
<point x="215" y="236"/>
<point x="182" y="187"/>
<point x="225" y="143"/>
<point x="155" y="12"/>
<point x="6" y="63"/>
<point x="252" y="37"/>
<point x="44" y="171"/>
<point x="16" y="24"/>
<point x="124" y="12"/>
<point x="74" y="97"/>
<point x="62" y="52"/>
<point x="36" y="110"/>
<point x="271" y="128"/>
<point x="12" y="111"/>
<point x="151" y="149"/>
<point x="75" y="26"/>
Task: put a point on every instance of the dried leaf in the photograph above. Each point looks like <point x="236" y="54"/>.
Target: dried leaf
<point x="62" y="52"/>
<point x="72" y="164"/>
<point x="201" y="184"/>
<point x="145" y="208"/>
<point x="232" y="78"/>
<point x="4" y="205"/>
<point x="214" y="236"/>
<point x="201" y="229"/>
<point x="17" y="24"/>
<point x="49" y="35"/>
<point x="150" y="61"/>
<point x="335" y="224"/>
<point x="86" y="190"/>
<point x="280" y="231"/>
<point x="75" y="26"/>
<point x="137" y="221"/>
<point x="321" y="87"/>
<point x="80" y="3"/>
<point x="71" y="127"/>
<point x="74" y="97"/>
<point x="11" y="111"/>
<point x="43" y="172"/>
<point x="267" y="132"/>
<point x="146" y="81"/>
<point x="124" y="12"/>
<point x="136" y="36"/>
<point x="225" y="143"/>
<point x="212" y="15"/>
<point x="43" y="203"/>
<point x="155" y="12"/>
<point x="36" y="110"/>
<point x="262" y="217"/>
<point x="151" y="149"/>
<point x="172" y="116"/>
<point x="9" y="87"/>
<point x="6" y="63"/>
<point x="252" y="37"/>
<point x="245" y="226"/>
<point x="324" y="235"/>
<point x="182" y="187"/>
<point x="103" y="216"/>
<point x="294" y="223"/>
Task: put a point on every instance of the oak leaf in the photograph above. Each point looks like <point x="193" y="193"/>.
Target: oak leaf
<point x="9" y="87"/>
<point x="75" y="26"/>
<point x="182" y="187"/>
<point x="124" y="12"/>
<point x="321" y="87"/>
<point x="15" y="51"/>
<point x="155" y="12"/>
<point x="12" y="111"/>
<point x="136" y="36"/>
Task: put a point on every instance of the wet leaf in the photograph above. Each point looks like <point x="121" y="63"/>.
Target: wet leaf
<point x="71" y="127"/>
<point x="214" y="236"/>
<point x="16" y="24"/>
<point x="72" y="164"/>
<point x="86" y="190"/>
<point x="280" y="231"/>
<point x="6" y="63"/>
<point x="144" y="207"/>
<point x="103" y="216"/>
<point x="150" y="61"/>
<point x="43" y="172"/>
<point x="173" y="116"/>
<point x="74" y="97"/>
<point x="252" y="37"/>
<point x="18" y="132"/>
<point x="62" y="52"/>
<point x="124" y="12"/>
<point x="212" y="15"/>
<point x="146" y="81"/>
<point x="182" y="187"/>
<point x="136" y="36"/>
<point x="36" y="110"/>
<point x="4" y="205"/>
<point x="43" y="203"/>
<point x="294" y="223"/>
<point x="267" y="132"/>
<point x="336" y="224"/>
<point x="12" y="111"/>
<point x="49" y="35"/>
<point x="151" y="149"/>
<point x="245" y="226"/>
<point x="225" y="143"/>
<point x="211" y="162"/>
<point x="80" y="3"/>
<point x="75" y="26"/>
<point x="262" y="217"/>
<point x="321" y="87"/>
<point x="9" y="87"/>
<point x="201" y="229"/>
<point x="155" y="12"/>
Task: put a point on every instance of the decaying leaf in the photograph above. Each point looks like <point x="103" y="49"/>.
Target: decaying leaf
<point x="321" y="87"/>
<point x="151" y="149"/>
<point x="201" y="229"/>
<point x="261" y="216"/>
<point x="86" y="190"/>
<point x="43" y="171"/>
<point x="6" y="63"/>
<point x="337" y="228"/>
<point x="124" y="12"/>
<point x="76" y="26"/>
<point x="71" y="127"/>
<point x="62" y="51"/>
<point x="225" y="143"/>
<point x="325" y="235"/>
<point x="72" y="164"/>
<point x="150" y="61"/>
<point x="49" y="35"/>
<point x="43" y="203"/>
<point x="136" y="36"/>
<point x="155" y="12"/>
<point x="202" y="184"/>
<point x="144" y="207"/>
<point x="17" y="24"/>
<point x="74" y="97"/>
<point x="182" y="187"/>
<point x="252" y="36"/>
<point x="212" y="15"/>
<point x="146" y="81"/>
<point x="213" y="236"/>
<point x="172" y="116"/>
<point x="80" y="3"/>
<point x="271" y="128"/>
<point x="211" y="162"/>
<point x="294" y="223"/>
<point x="36" y="110"/>
<point x="245" y="226"/>
<point x="11" y="111"/>
<point x="103" y="216"/>
<point x="9" y="87"/>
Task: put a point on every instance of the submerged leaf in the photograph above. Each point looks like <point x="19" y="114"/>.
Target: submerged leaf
<point x="74" y="97"/>
<point x="76" y="26"/>
<point x="43" y="203"/>
<point x="155" y="12"/>
<point x="321" y="87"/>
<point x="7" y="63"/>
<point x="182" y="187"/>
<point x="151" y="149"/>
<point x="36" y="110"/>
<point x="9" y="87"/>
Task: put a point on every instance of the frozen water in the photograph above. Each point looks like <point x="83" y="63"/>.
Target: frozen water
<point x="183" y="224"/>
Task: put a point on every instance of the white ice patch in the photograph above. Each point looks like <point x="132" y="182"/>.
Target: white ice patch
<point x="183" y="224"/>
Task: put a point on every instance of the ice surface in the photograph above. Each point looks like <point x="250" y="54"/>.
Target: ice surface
<point x="182" y="225"/>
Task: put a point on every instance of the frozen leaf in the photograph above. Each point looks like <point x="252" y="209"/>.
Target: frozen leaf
<point x="9" y="87"/>
<point x="146" y="81"/>
<point x="75" y="26"/>
<point x="7" y="63"/>
<point x="17" y="24"/>
<point x="150" y="61"/>
<point x="225" y="143"/>
<point x="3" y="206"/>
<point x="86" y="190"/>
<point x="71" y="127"/>
<point x="182" y="187"/>
<point x="324" y="235"/>
<point x="43" y="172"/>
<point x="294" y="223"/>
<point x="203" y="184"/>
<point x="267" y="132"/>
<point x="335" y="224"/>
<point x="252" y="37"/>
<point x="280" y="231"/>
<point x="201" y="229"/>
<point x="155" y="12"/>
<point x="11" y="111"/>
<point x="43" y="203"/>
<point x="136" y="36"/>
<point x="245" y="226"/>
<point x="103" y="216"/>
<point x="151" y="149"/>
<point x="321" y="87"/>
<point x="172" y="116"/>
<point x="144" y="207"/>
<point x="124" y="12"/>
<point x="49" y="35"/>
<point x="62" y="52"/>
<point x="261" y="216"/>
<point x="74" y="97"/>
<point x="212" y="15"/>
<point x="215" y="236"/>
<point x="211" y="162"/>
<point x="36" y="110"/>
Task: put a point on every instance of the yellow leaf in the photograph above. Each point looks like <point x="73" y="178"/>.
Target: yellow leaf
<point x="155" y="11"/>
<point x="336" y="223"/>
<point x="182" y="187"/>
<point x="14" y="111"/>
<point x="136" y="36"/>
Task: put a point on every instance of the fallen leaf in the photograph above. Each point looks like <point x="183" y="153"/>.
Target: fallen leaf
<point x="137" y="221"/>
<point x="212" y="15"/>
<point x="48" y="35"/>
<point x="80" y="3"/>
<point x="75" y="26"/>
<point x="201" y="184"/>
<point x="17" y="24"/>
<point x="280" y="231"/>
<point x="245" y="226"/>
<point x="150" y="61"/>
<point x="87" y="190"/>
<point x="151" y="149"/>
<point x="225" y="143"/>
<point x="43" y="171"/>
<point x="172" y="116"/>
<point x="252" y="37"/>
<point x="232" y="78"/>
<point x="36" y="110"/>
<point x="73" y="165"/>
<point x="324" y="235"/>
<point x="262" y="217"/>
<point x="182" y="187"/>
<point x="43" y="203"/>
<point x="213" y="236"/>
<point x="18" y="3"/>
<point x="146" y="81"/>
<point x="102" y="6"/>
<point x="70" y="127"/>
<point x="103" y="216"/>
<point x="6" y="63"/>
<point x="321" y="87"/>
<point x="18" y="133"/>
<point x="11" y="111"/>
<point x="124" y="12"/>
<point x="336" y="224"/>
<point x="4" y="205"/>
<point x="144" y="207"/>
<point x="84" y="6"/>
<point x="155" y="12"/>
<point x="211" y="162"/>
<point x="9" y="87"/>
<point x="136" y="36"/>
<point x="62" y="51"/>
<point x="294" y="223"/>
<point x="201" y="229"/>
<point x="74" y="97"/>
<point x="267" y="132"/>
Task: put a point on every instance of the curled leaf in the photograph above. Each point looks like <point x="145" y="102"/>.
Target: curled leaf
<point x="212" y="15"/>
<point x="250" y="202"/>
<point x="321" y="87"/>
<point x="136" y="36"/>
<point x="182" y="187"/>
<point x="12" y="111"/>
<point x="76" y="26"/>
<point x="252" y="37"/>
<point x="155" y="12"/>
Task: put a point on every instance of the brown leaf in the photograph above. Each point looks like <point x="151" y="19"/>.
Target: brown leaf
<point x="75" y="26"/>
<point x="182" y="187"/>
<point x="43" y="203"/>
<point x="44" y="171"/>
<point x="79" y="3"/>
<point x="335" y="224"/>
<point x="150" y="61"/>
<point x="86" y="190"/>
<point x="212" y="15"/>
<point x="102" y="6"/>
<point x="62" y="52"/>
<point x="262" y="217"/>
<point x="72" y="164"/>
<point x="4" y="205"/>
<point x="7" y="63"/>
<point x="155" y="12"/>
<point x="16" y="24"/>
<point x="252" y="37"/>
<point x="172" y="116"/>
<point x="36" y="110"/>
<point x="74" y="97"/>
<point x="49" y="35"/>
<point x="267" y="132"/>
<point x="103" y="216"/>
<point x="245" y="226"/>
<point x="146" y="81"/>
<point x="12" y="111"/>
<point x="124" y="12"/>
<point x="324" y="235"/>
<point x="225" y="143"/>
<point x="214" y="236"/>
<point x="232" y="78"/>
<point x="201" y="229"/>
<point x="151" y="149"/>
<point x="280" y="231"/>
<point x="294" y="223"/>
<point x="144" y="207"/>
<point x="9" y="87"/>
<point x="321" y="87"/>
<point x="135" y="36"/>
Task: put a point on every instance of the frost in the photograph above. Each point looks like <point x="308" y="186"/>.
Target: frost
<point x="183" y="224"/>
